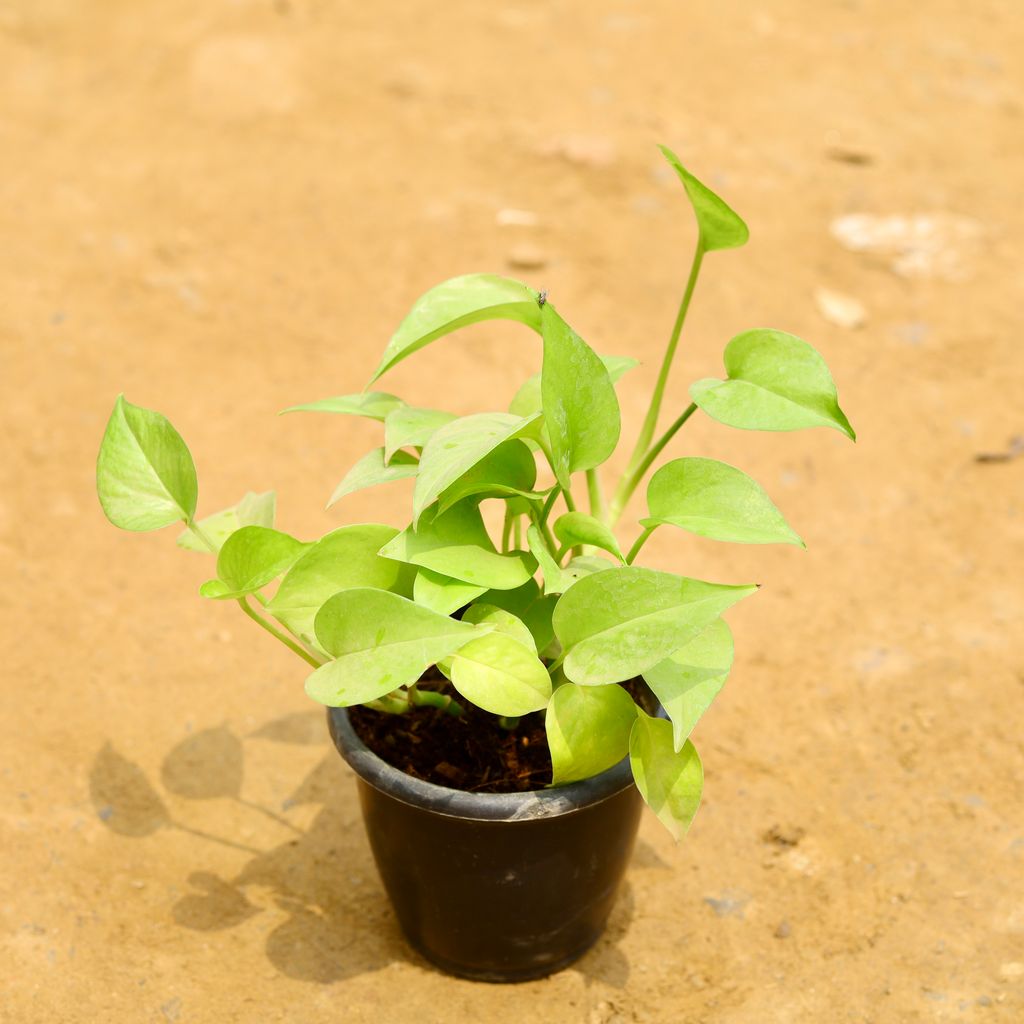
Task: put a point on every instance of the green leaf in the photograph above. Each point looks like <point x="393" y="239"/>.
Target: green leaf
<point x="379" y="642"/>
<point x="456" y="544"/>
<point x="587" y="565"/>
<point x="501" y="675"/>
<point x="250" y="558"/>
<point x="458" y="447"/>
<point x="372" y="470"/>
<point x="715" y="500"/>
<point x="588" y="730"/>
<point x="581" y="412"/>
<point x="720" y="226"/>
<point x="457" y="303"/>
<point x="530" y="606"/>
<point x="555" y="580"/>
<point x="615" y="625"/>
<point x="503" y="622"/>
<point x="252" y="510"/>
<point x="145" y="477"/>
<point x="579" y="528"/>
<point x="528" y="401"/>
<point x="411" y="428"/>
<point x="345" y="558"/>
<point x="443" y="594"/>
<point x="509" y="471"/>
<point x="374" y="405"/>
<point x="776" y="382"/>
<point x="670" y="782"/>
<point x="687" y="682"/>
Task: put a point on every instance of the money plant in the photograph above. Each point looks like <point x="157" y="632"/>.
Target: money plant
<point x="550" y="613"/>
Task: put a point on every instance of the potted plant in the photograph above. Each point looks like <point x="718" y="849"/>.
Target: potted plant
<point x="503" y="727"/>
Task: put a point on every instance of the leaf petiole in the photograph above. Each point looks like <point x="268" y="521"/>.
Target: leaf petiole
<point x="287" y="641"/>
<point x="638" y="544"/>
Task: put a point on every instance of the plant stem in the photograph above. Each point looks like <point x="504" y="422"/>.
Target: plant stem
<point x="638" y="544"/>
<point x="432" y="699"/>
<point x="549" y="504"/>
<point x="287" y="641"/>
<point x="517" y="533"/>
<point x="594" y="492"/>
<point x="651" y="420"/>
<point x="629" y="484"/>
<point x="507" y="723"/>
<point x="197" y="531"/>
<point x="389" y="704"/>
<point x="506" y="530"/>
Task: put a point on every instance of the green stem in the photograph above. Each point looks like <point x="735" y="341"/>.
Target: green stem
<point x="630" y="483"/>
<point x="507" y="723"/>
<point x="595" y="495"/>
<point x="638" y="544"/>
<point x="517" y="533"/>
<point x="651" y="420"/>
<point x="389" y="704"/>
<point x="197" y="530"/>
<point x="549" y="504"/>
<point x="287" y="641"/>
<point x="432" y="699"/>
<point x="506" y="530"/>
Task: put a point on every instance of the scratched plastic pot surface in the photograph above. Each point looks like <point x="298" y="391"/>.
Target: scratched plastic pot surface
<point x="495" y="887"/>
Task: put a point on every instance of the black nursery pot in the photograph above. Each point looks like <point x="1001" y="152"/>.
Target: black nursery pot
<point x="495" y="886"/>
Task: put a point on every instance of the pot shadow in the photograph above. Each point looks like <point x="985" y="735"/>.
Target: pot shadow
<point x="337" y="922"/>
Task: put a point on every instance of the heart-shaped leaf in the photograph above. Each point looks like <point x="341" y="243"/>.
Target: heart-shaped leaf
<point x="374" y="405"/>
<point x="579" y="528"/>
<point x="372" y="470"/>
<point x="687" y="682"/>
<point x="588" y="730"/>
<point x="615" y="625"/>
<point x="503" y="622"/>
<point x="670" y="782"/>
<point x="528" y="401"/>
<point x="509" y="471"/>
<point x="379" y="642"/>
<point x="145" y="477"/>
<point x="501" y="675"/>
<point x="345" y="558"/>
<point x="409" y="427"/>
<point x="720" y="226"/>
<point x="458" y="447"/>
<point x="776" y="382"/>
<point x="456" y="544"/>
<point x="252" y="510"/>
<point x="250" y="558"/>
<point x="531" y="607"/>
<point x="457" y="303"/>
<point x="715" y="500"/>
<point x="581" y="412"/>
<point x="442" y="594"/>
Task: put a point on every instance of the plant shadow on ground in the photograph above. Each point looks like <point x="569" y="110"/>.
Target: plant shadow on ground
<point x="338" y="922"/>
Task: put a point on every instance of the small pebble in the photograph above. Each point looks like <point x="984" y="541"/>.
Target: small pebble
<point x="526" y="257"/>
<point x="509" y="217"/>
<point x="784" y="930"/>
<point x="839" y="309"/>
<point x="1013" y="969"/>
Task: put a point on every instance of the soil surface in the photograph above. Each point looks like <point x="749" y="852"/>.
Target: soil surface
<point x="222" y="209"/>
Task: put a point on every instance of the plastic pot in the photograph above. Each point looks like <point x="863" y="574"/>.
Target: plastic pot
<point x="495" y="887"/>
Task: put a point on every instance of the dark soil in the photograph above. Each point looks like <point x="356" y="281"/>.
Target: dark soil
<point x="470" y="751"/>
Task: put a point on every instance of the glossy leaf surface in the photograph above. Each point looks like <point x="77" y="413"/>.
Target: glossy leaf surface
<point x="720" y="226"/>
<point x="670" y="782"/>
<point x="588" y="730"/>
<point x="374" y="405"/>
<point x="250" y="558"/>
<point x="372" y="470"/>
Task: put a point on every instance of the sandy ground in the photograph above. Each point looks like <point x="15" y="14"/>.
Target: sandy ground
<point x="222" y="208"/>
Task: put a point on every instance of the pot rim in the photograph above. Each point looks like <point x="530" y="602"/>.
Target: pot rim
<point x="459" y="803"/>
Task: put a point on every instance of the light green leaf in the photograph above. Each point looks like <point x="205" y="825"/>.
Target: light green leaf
<point x="409" y="427"/>
<point x="250" y="558"/>
<point x="501" y="675"/>
<point x="379" y="642"/>
<point x="715" y="500"/>
<point x="458" y="447"/>
<point x="528" y="604"/>
<point x="588" y="730"/>
<point x="687" y="682"/>
<point x="579" y="528"/>
<point x="528" y="401"/>
<point x="457" y="303"/>
<point x="443" y="594"/>
<point x="555" y="580"/>
<point x="252" y="510"/>
<point x="374" y="405"/>
<point x="456" y="544"/>
<point x="509" y="471"/>
<point x="581" y="412"/>
<point x="615" y="625"/>
<point x="776" y="382"/>
<point x="720" y="226"/>
<point x="670" y="782"/>
<point x="145" y="477"/>
<point x="372" y="470"/>
<point x="586" y="565"/>
<point x="345" y="558"/>
<point x="503" y="622"/>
